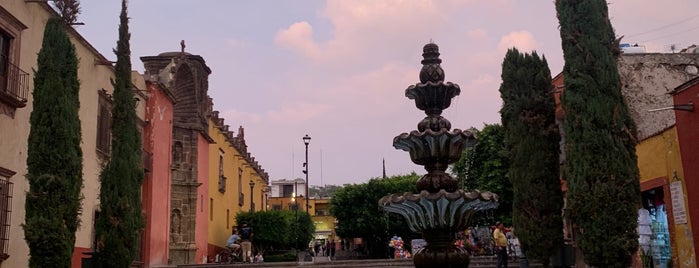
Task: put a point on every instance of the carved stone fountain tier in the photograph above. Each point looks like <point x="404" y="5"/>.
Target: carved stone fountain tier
<point x="435" y="150"/>
<point x="440" y="209"/>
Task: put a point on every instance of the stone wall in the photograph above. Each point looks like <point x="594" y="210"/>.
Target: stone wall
<point x="646" y="82"/>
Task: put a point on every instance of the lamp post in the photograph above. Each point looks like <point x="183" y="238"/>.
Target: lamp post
<point x="306" y="141"/>
<point x="252" y="185"/>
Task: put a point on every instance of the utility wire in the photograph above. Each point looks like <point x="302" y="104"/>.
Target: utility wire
<point x="669" y="35"/>
<point x="664" y="27"/>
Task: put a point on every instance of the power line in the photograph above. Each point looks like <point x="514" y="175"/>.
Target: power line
<point x="664" y="26"/>
<point x="669" y="35"/>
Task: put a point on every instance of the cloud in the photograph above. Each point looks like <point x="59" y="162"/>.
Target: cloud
<point x="476" y="34"/>
<point x="299" y="37"/>
<point x="522" y="40"/>
<point x="234" y="43"/>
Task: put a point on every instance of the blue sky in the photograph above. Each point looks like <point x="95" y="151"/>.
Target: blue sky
<point x="337" y="69"/>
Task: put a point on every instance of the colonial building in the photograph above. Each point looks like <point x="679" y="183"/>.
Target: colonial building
<point x="157" y="144"/>
<point x="237" y="183"/>
<point x="684" y="98"/>
<point x="186" y="76"/>
<point x="21" y="34"/>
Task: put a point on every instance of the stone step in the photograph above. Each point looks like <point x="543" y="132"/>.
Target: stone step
<point x="476" y="262"/>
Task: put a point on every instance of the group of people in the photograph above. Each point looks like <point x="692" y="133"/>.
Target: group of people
<point x="324" y="249"/>
<point x="241" y="240"/>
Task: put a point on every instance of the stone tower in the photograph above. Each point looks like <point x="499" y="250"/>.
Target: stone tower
<point x="186" y="76"/>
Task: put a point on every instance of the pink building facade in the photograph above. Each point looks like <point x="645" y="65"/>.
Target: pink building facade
<point x="156" y="185"/>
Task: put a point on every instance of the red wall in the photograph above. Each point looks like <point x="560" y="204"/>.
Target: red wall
<point x="156" y="185"/>
<point x="687" y="124"/>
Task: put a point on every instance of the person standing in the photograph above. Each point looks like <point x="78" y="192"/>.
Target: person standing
<point x="500" y="245"/>
<point x="246" y="235"/>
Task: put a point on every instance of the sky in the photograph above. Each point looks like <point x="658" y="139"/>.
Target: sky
<point x="337" y="70"/>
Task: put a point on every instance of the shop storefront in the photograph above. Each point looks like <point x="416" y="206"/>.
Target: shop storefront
<point x="654" y="228"/>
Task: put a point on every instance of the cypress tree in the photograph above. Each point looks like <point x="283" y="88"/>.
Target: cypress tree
<point x="531" y="137"/>
<point x="54" y="157"/>
<point x="601" y="169"/>
<point x="68" y="9"/>
<point x="120" y="202"/>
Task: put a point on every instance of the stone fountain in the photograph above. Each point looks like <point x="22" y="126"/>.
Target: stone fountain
<point x="440" y="209"/>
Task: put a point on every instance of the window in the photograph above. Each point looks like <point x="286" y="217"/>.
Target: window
<point x="14" y="85"/>
<point x="211" y="209"/>
<point x="287" y="190"/>
<point x="221" y="178"/>
<point x="104" y="122"/>
<point x="276" y="207"/>
<point x="5" y="211"/>
<point x="241" y="196"/>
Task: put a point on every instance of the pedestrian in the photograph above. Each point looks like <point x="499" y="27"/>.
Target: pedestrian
<point x="500" y="245"/>
<point x="332" y="250"/>
<point x="246" y="235"/>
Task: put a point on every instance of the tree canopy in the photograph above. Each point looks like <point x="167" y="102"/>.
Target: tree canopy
<point x="54" y="156"/>
<point x="531" y="137"/>
<point x="601" y="165"/>
<point x="358" y="214"/>
<point x="121" y="219"/>
<point x="484" y="167"/>
<point x="278" y="229"/>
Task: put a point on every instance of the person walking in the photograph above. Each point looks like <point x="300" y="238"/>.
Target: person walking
<point x="246" y="235"/>
<point x="500" y="245"/>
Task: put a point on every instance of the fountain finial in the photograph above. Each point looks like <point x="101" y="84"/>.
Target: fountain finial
<point x="431" y="70"/>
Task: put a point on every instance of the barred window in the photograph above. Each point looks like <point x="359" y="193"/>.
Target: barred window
<point x="104" y="122"/>
<point x="5" y="211"/>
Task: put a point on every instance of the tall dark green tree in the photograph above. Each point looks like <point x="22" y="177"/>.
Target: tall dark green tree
<point x="68" y="9"/>
<point x="54" y="157"/>
<point x="601" y="169"/>
<point x="484" y="167"/>
<point x="531" y="136"/>
<point x="120" y="220"/>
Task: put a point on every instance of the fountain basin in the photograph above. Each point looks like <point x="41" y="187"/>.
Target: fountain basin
<point x="429" y="147"/>
<point x="438" y="211"/>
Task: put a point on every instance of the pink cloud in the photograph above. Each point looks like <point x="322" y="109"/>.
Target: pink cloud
<point x="522" y="40"/>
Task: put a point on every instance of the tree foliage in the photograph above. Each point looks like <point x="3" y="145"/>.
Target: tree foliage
<point x="532" y="138"/>
<point x="278" y="229"/>
<point x="484" y="167"/>
<point x="356" y="209"/>
<point x="68" y="9"/>
<point x="121" y="219"/>
<point x="54" y="157"/>
<point x="601" y="169"/>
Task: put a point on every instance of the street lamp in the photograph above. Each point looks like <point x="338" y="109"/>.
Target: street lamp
<point x="252" y="185"/>
<point x="306" y="141"/>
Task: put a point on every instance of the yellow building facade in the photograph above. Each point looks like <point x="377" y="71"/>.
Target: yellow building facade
<point x="664" y="196"/>
<point x="232" y="172"/>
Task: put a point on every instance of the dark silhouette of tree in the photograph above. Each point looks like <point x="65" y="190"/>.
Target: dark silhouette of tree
<point x="68" y="9"/>
<point x="54" y="157"/>
<point x="120" y="219"/>
<point x="601" y="169"/>
<point x="356" y="208"/>
<point x="532" y="138"/>
<point x="484" y="167"/>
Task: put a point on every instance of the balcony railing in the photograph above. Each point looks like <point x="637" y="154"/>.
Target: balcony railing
<point x="15" y="88"/>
